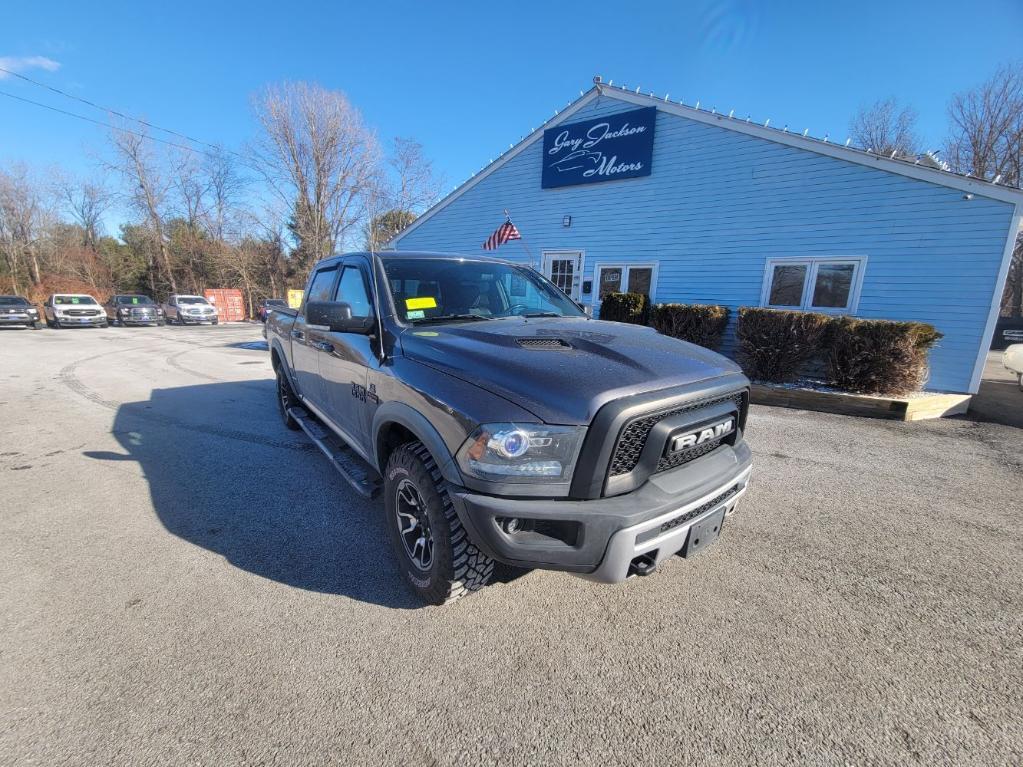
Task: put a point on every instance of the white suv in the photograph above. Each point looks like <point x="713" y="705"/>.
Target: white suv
<point x="189" y="310"/>
<point x="64" y="310"/>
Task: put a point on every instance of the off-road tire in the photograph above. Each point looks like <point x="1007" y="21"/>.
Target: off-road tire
<point x="457" y="567"/>
<point x="286" y="398"/>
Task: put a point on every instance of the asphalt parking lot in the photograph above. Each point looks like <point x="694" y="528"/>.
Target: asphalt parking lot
<point x="184" y="580"/>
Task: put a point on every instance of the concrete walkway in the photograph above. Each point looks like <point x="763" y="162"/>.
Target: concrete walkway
<point x="999" y="399"/>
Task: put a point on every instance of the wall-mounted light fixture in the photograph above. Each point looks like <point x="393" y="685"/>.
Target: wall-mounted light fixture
<point x="566" y="221"/>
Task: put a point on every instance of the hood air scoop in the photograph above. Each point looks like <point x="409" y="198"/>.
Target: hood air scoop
<point x="543" y="344"/>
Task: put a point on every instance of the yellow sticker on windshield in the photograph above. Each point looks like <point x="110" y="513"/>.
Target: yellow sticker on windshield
<point x="424" y="302"/>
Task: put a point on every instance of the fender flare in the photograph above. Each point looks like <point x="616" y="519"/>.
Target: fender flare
<point x="420" y="426"/>
<point x="276" y="346"/>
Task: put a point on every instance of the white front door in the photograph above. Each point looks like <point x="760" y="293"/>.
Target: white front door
<point x="565" y="269"/>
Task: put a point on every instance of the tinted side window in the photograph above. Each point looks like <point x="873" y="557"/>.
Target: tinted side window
<point x="319" y="290"/>
<point x="352" y="290"/>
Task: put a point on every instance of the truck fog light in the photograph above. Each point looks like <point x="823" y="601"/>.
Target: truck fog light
<point x="512" y="525"/>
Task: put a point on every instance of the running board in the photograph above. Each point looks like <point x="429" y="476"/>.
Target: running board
<point x="356" y="472"/>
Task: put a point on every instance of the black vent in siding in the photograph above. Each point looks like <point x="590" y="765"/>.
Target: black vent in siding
<point x="542" y="344"/>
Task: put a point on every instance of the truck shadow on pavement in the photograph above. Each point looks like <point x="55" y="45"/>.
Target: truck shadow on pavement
<point x="224" y="474"/>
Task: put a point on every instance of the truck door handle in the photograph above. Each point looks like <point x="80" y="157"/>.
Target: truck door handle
<point x="297" y="334"/>
<point x="323" y="346"/>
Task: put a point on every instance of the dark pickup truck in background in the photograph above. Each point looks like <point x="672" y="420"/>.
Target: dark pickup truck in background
<point x="502" y="423"/>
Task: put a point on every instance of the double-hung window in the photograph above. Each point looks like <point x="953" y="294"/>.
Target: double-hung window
<point x="823" y="284"/>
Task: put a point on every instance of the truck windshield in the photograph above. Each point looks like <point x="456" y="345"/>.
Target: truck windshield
<point x="61" y="300"/>
<point x="134" y="300"/>
<point x="13" y="301"/>
<point x="429" y="290"/>
<point x="192" y="300"/>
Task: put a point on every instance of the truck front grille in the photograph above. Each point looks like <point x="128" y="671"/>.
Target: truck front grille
<point x="633" y="437"/>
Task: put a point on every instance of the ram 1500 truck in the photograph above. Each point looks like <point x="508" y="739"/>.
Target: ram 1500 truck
<point x="500" y="422"/>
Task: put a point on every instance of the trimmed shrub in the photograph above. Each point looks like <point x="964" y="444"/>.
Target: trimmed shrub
<point x="697" y="323"/>
<point x="775" y="344"/>
<point x="625" y="307"/>
<point x="879" y="356"/>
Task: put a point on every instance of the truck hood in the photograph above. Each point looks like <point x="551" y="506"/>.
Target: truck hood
<point x="563" y="370"/>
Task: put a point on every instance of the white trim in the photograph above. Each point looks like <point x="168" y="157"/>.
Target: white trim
<point x="812" y="263"/>
<point x="469" y="183"/>
<point x="996" y="300"/>
<point x="565" y="252"/>
<point x="624" y="266"/>
<point x="858" y="156"/>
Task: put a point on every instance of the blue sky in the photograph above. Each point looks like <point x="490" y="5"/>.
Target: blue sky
<point x="467" y="79"/>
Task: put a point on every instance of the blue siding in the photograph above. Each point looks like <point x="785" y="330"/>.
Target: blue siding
<point x="719" y="203"/>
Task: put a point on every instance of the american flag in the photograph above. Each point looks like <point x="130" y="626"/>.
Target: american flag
<point x="501" y="235"/>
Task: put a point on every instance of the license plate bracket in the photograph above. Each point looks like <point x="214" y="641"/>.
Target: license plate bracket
<point x="703" y="533"/>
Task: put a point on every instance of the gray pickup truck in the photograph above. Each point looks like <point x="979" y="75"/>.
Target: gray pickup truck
<point x="502" y="423"/>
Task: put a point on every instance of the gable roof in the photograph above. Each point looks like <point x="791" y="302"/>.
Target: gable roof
<point x="918" y="169"/>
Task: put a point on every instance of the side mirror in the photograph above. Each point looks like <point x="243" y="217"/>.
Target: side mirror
<point x="337" y="316"/>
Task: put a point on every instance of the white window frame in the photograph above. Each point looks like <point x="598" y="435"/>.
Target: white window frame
<point x="813" y="263"/>
<point x="625" y="266"/>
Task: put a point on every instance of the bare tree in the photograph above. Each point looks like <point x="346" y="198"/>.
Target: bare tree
<point x="148" y="191"/>
<point x="21" y="221"/>
<point x="1012" y="295"/>
<point x="87" y="201"/>
<point x="987" y="128"/>
<point x="986" y="141"/>
<point x="411" y="187"/>
<point x="416" y="186"/>
<point x="317" y="155"/>
<point x="885" y="127"/>
<point x="224" y="186"/>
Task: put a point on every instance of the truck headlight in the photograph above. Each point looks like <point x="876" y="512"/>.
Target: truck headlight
<point x="508" y="452"/>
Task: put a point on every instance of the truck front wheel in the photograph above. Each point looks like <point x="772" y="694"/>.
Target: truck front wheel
<point x="434" y="552"/>
<point x="285" y="399"/>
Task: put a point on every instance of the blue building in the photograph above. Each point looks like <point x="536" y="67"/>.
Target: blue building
<point x="623" y="191"/>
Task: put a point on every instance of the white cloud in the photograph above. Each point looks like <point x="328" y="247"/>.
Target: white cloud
<point x="26" y="63"/>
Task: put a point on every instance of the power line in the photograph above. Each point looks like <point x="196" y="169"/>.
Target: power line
<point x="122" y="115"/>
<point x="126" y="130"/>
